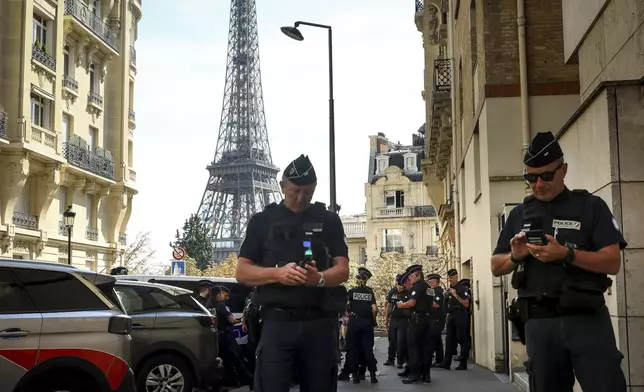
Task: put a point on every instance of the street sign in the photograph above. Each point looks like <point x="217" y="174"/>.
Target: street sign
<point x="178" y="253"/>
<point x="178" y="268"/>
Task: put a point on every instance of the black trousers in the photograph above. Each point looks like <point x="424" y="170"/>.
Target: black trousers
<point x="585" y="345"/>
<point x="232" y="356"/>
<point x="360" y="340"/>
<point x="398" y="339"/>
<point x="457" y="333"/>
<point x="436" y="338"/>
<point x="419" y="345"/>
<point x="309" y="346"/>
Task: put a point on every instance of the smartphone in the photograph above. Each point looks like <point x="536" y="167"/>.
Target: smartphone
<point x="308" y="254"/>
<point x="536" y="237"/>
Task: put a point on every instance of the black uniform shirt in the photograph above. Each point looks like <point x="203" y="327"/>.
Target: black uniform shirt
<point x="452" y="303"/>
<point x="360" y="301"/>
<point x="439" y="299"/>
<point x="421" y="292"/>
<point x="223" y="312"/>
<point x="394" y="296"/>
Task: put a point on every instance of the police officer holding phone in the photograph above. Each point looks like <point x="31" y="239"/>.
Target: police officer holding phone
<point x="398" y="323"/>
<point x="296" y="254"/>
<point x="560" y="245"/>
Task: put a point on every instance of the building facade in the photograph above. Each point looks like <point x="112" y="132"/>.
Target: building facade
<point x="516" y="68"/>
<point x="355" y="229"/>
<point x="67" y="128"/>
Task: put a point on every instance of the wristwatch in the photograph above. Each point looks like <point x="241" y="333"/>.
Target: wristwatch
<point x="322" y="281"/>
<point x="570" y="256"/>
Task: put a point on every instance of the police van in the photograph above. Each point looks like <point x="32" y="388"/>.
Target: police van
<point x="238" y="292"/>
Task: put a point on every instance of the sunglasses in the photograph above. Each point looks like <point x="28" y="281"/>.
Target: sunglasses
<point x="545" y="176"/>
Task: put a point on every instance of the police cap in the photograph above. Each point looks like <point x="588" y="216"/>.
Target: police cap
<point x="301" y="172"/>
<point x="544" y="149"/>
<point x="414" y="268"/>
<point x="220" y="289"/>
<point x="119" y="271"/>
<point x="452" y="272"/>
<point x="364" y="273"/>
<point x="434" y="276"/>
<point x="400" y="279"/>
<point x="205" y="284"/>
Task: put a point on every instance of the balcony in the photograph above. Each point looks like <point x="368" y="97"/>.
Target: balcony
<point x="131" y="175"/>
<point x="95" y="99"/>
<point x="419" y="5"/>
<point x="81" y="15"/>
<point x="70" y="84"/>
<point x="394" y="212"/>
<point x="355" y="229"/>
<point x="388" y="249"/>
<point x="439" y="140"/>
<point x="39" y="54"/>
<point x="91" y="234"/>
<point x="424" y="211"/>
<point x="123" y="239"/>
<point x="446" y="212"/>
<point x="132" y="57"/>
<point x="79" y="154"/>
<point x="4" y="132"/>
<point x="131" y="116"/>
<point x="43" y="136"/>
<point x="24" y="220"/>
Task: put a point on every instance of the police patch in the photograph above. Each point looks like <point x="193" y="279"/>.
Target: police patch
<point x="566" y="224"/>
<point x="615" y="224"/>
<point x="362" y="296"/>
<point x="413" y="293"/>
<point x="430" y="292"/>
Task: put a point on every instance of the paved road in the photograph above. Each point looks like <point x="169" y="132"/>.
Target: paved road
<point x="475" y="378"/>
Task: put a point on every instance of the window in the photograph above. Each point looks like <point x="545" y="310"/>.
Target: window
<point x="473" y="34"/>
<point x="37" y="110"/>
<point x="89" y="207"/>
<point x="40" y="30"/>
<point x="392" y="238"/>
<point x="238" y="292"/>
<point x="411" y="241"/>
<point x="410" y="162"/>
<point x="363" y="255"/>
<point x="93" y="138"/>
<point x="65" y="127"/>
<point x="462" y="197"/>
<point x="93" y="85"/>
<point x="22" y="204"/>
<point x="95" y="6"/>
<point x="13" y="298"/>
<point x="477" y="164"/>
<point x="130" y="154"/>
<point x="62" y="200"/>
<point x="148" y="299"/>
<point x="54" y="291"/>
<point x="383" y="163"/>
<point x="66" y="60"/>
<point x="394" y="199"/>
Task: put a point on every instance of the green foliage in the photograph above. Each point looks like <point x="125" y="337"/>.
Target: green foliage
<point x="196" y="239"/>
<point x="138" y="256"/>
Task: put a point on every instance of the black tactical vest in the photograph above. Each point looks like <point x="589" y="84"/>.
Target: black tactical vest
<point x="565" y="219"/>
<point x="283" y="243"/>
<point x="360" y="301"/>
<point x="396" y="296"/>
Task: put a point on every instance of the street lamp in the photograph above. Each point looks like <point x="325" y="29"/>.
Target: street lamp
<point x="295" y="34"/>
<point x="69" y="216"/>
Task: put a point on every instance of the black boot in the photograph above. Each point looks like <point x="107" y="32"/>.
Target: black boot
<point x="356" y="378"/>
<point x="426" y="378"/>
<point x="374" y="380"/>
<point x="343" y="376"/>
<point x="389" y="362"/>
<point x="411" y="379"/>
<point x="405" y="373"/>
<point x="462" y="366"/>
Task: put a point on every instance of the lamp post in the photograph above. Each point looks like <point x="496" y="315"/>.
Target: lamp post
<point x="295" y="34"/>
<point x="69" y="216"/>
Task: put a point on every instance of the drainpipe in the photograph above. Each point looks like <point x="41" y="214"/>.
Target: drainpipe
<point x="22" y="133"/>
<point x="523" y="74"/>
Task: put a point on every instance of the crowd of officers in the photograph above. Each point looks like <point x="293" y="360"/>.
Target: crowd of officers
<point x="417" y="311"/>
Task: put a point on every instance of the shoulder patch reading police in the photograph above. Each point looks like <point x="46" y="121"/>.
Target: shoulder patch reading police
<point x="615" y="224"/>
<point x="362" y="296"/>
<point x="430" y="292"/>
<point x="566" y="224"/>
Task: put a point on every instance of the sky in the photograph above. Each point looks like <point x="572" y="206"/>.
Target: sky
<point x="181" y="62"/>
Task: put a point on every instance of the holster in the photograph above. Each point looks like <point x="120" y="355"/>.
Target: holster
<point x="519" y="276"/>
<point x="582" y="296"/>
<point x="517" y="312"/>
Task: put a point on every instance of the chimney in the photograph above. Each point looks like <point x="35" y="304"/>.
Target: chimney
<point x="382" y="144"/>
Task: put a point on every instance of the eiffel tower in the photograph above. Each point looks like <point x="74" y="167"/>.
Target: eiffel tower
<point x="243" y="178"/>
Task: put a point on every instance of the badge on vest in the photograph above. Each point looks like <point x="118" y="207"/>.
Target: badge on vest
<point x="362" y="296"/>
<point x="566" y="224"/>
<point x="430" y="292"/>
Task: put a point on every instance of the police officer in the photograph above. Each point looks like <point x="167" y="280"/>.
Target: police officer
<point x="296" y="254"/>
<point x="251" y="324"/>
<point x="203" y="298"/>
<point x="561" y="245"/>
<point x="458" y="316"/>
<point x="437" y="319"/>
<point x="420" y="302"/>
<point x="398" y="323"/>
<point x="360" y="335"/>
<point x="229" y="350"/>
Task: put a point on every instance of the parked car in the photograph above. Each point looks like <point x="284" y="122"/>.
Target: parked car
<point x="174" y="338"/>
<point x="238" y="293"/>
<point x="61" y="329"/>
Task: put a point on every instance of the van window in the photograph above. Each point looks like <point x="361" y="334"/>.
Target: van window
<point x="238" y="291"/>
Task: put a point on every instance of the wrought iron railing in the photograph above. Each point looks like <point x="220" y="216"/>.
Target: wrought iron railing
<point x="91" y="234"/>
<point x="70" y="83"/>
<point x="432" y="250"/>
<point x="79" y="154"/>
<point x="132" y="56"/>
<point x="424" y="211"/>
<point x="43" y="57"/>
<point x="79" y="10"/>
<point x="123" y="239"/>
<point x="387" y="249"/>
<point x="3" y="123"/>
<point x="95" y="98"/>
<point x="420" y="6"/>
<point x="443" y="75"/>
<point x="24" y="220"/>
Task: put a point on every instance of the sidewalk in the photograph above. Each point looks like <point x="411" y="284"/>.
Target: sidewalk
<point x="475" y="378"/>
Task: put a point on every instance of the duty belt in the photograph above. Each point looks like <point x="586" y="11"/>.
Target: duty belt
<point x="354" y="314"/>
<point x="546" y="308"/>
<point x="296" y="314"/>
<point x="415" y="313"/>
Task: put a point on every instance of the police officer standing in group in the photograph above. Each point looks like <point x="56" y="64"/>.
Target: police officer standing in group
<point x="458" y="316"/>
<point x="420" y="302"/>
<point x="561" y="245"/>
<point x="398" y="323"/>
<point x="437" y="319"/>
<point x="301" y="298"/>
<point x="251" y="324"/>
<point x="203" y="298"/>
<point x="360" y="335"/>
<point x="229" y="350"/>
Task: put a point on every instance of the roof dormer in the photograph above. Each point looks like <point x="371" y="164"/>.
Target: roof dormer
<point x="382" y="163"/>
<point x="411" y="162"/>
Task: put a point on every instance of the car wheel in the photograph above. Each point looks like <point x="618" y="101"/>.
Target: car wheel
<point x="165" y="373"/>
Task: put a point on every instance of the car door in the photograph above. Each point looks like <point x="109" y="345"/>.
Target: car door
<point x="143" y="319"/>
<point x="20" y="328"/>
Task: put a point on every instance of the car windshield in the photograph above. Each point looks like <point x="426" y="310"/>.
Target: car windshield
<point x="138" y="299"/>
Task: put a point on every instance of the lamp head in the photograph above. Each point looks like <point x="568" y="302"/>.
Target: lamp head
<point x="292" y="32"/>
<point x="69" y="216"/>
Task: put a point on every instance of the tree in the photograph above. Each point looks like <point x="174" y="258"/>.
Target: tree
<point x="138" y="255"/>
<point x="223" y="269"/>
<point x="196" y="240"/>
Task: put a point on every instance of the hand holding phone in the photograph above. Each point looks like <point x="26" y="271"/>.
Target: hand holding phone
<point x="536" y="237"/>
